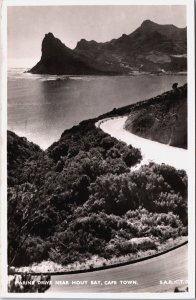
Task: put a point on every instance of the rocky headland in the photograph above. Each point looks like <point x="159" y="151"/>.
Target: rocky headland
<point x="151" y="48"/>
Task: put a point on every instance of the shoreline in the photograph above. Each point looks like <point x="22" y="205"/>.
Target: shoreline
<point x="114" y="115"/>
<point x="116" y="111"/>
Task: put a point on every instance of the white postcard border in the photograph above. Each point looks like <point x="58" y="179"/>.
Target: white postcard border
<point x="191" y="150"/>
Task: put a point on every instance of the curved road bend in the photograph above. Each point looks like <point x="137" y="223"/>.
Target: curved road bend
<point x="148" y="273"/>
<point x="151" y="150"/>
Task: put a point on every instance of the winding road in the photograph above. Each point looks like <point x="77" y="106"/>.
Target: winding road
<point x="160" y="274"/>
<point x="151" y="150"/>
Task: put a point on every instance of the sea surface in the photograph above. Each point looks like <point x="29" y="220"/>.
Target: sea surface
<point x="41" y="107"/>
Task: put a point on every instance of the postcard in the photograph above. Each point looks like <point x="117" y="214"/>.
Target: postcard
<point x="97" y="149"/>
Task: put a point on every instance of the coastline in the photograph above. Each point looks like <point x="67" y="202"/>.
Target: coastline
<point x="103" y="103"/>
<point x="98" y="122"/>
<point x="122" y="111"/>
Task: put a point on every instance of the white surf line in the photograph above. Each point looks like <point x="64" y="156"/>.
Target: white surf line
<point x="150" y="150"/>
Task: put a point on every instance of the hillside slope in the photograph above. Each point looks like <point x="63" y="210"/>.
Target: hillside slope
<point x="163" y="120"/>
<point x="19" y="150"/>
<point x="150" y="48"/>
<point x="78" y="199"/>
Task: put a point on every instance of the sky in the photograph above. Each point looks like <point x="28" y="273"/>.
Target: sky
<point x="27" y="25"/>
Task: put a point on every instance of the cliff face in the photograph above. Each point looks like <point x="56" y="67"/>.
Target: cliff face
<point x="162" y="119"/>
<point x="151" y="47"/>
<point x="58" y="59"/>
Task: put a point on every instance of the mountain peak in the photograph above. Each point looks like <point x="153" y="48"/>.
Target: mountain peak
<point x="49" y="35"/>
<point x="84" y="44"/>
<point x="52" y="46"/>
<point x="150" y="45"/>
<point x="150" y="24"/>
<point x="147" y="22"/>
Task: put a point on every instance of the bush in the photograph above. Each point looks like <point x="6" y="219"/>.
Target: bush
<point x="79" y="198"/>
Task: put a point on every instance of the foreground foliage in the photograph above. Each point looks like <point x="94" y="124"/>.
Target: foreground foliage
<point x="79" y="198"/>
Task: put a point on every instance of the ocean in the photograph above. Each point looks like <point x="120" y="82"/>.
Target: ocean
<point x="41" y="107"/>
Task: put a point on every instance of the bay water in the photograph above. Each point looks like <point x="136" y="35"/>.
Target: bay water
<point x="41" y="107"/>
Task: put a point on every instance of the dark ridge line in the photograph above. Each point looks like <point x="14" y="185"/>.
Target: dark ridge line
<point x="104" y="267"/>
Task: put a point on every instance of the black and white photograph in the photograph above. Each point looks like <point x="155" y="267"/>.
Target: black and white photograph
<point x="98" y="133"/>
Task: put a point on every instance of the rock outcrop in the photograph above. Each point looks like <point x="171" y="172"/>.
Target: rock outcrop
<point x="162" y="119"/>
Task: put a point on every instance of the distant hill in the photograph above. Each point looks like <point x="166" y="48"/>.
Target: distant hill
<point x="163" y="120"/>
<point x="150" y="48"/>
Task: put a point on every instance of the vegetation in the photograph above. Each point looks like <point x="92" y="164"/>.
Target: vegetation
<point x="18" y="151"/>
<point x="79" y="199"/>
